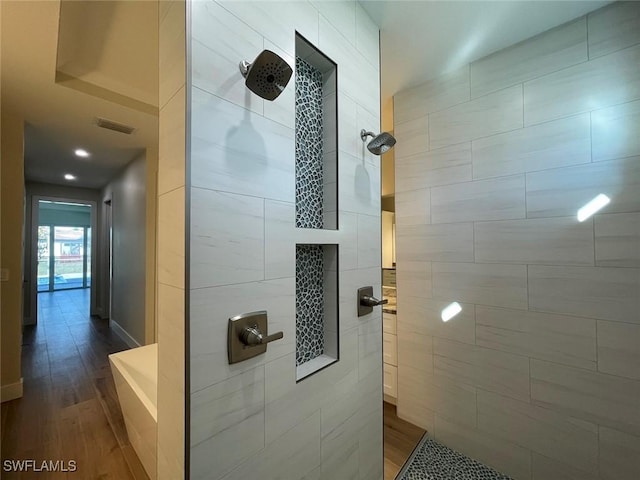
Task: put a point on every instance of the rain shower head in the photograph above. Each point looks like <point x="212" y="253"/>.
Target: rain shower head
<point x="267" y="76"/>
<point x="380" y="143"/>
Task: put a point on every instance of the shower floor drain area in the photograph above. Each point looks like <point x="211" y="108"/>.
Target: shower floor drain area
<point x="433" y="461"/>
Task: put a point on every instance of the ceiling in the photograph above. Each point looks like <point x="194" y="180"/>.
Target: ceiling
<point x="64" y="64"/>
<point x="421" y="40"/>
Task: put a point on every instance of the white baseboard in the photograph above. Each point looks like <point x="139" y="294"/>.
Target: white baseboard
<point x="123" y="334"/>
<point x="11" y="391"/>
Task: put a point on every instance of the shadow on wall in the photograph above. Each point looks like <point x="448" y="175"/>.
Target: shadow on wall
<point x="244" y="138"/>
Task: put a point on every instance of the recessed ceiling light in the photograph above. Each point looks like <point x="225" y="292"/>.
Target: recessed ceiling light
<point x="68" y="176"/>
<point x="80" y="152"/>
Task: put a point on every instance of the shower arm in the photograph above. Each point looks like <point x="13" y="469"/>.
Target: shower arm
<point x="364" y="134"/>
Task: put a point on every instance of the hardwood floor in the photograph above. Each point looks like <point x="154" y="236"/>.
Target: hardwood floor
<point x="70" y="409"/>
<point x="400" y="438"/>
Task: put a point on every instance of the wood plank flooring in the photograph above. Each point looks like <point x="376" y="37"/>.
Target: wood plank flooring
<point x="400" y="438"/>
<point x="70" y="409"/>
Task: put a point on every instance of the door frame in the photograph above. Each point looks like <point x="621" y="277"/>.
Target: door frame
<point x="35" y="221"/>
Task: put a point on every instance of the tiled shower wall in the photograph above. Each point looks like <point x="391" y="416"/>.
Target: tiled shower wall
<point x="539" y="374"/>
<point x="251" y="419"/>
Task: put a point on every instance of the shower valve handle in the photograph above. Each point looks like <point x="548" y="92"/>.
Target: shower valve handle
<point x="369" y="301"/>
<point x="251" y="336"/>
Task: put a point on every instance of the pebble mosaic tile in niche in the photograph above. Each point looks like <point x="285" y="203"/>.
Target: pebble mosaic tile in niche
<point x="309" y="174"/>
<point x="309" y="302"/>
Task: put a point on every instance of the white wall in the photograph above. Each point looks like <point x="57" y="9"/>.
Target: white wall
<point x="252" y="420"/>
<point x="538" y="376"/>
<point x="127" y="193"/>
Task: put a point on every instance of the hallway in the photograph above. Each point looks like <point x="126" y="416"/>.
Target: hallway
<point x="70" y="409"/>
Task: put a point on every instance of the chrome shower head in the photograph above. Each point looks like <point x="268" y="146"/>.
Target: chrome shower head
<point x="267" y="76"/>
<point x="380" y="143"/>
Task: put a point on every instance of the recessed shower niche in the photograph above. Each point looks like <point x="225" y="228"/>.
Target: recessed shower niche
<point x="316" y="307"/>
<point x="316" y="133"/>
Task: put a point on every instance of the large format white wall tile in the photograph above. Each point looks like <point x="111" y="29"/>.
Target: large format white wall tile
<point x="277" y="21"/>
<point x="436" y="94"/>
<point x="411" y="406"/>
<point x="595" y="292"/>
<point x="613" y="28"/>
<point x="357" y="77"/>
<point x="484" y="368"/>
<point x="504" y="456"/>
<point x="342" y="15"/>
<point x="412" y="137"/>
<point x="447" y="242"/>
<point x="550" y="51"/>
<point x="359" y="185"/>
<point x="618" y="240"/>
<point x="615" y="131"/>
<point x="171" y="50"/>
<point x="349" y="139"/>
<point x="171" y="213"/>
<point x="562" y="191"/>
<point x="369" y="347"/>
<point x="594" y="397"/>
<point x="543" y="431"/>
<point x="557" y="338"/>
<point x="226" y="415"/>
<point x="339" y="451"/>
<point x="171" y="383"/>
<point x="211" y="309"/>
<point x="494" y="199"/>
<point x="348" y="249"/>
<point x="367" y="36"/>
<point x="619" y="455"/>
<point x="549" y="145"/>
<point x="583" y="87"/>
<point x="236" y="151"/>
<point x="219" y="42"/>
<point x="544" y="468"/>
<point x="436" y="167"/>
<point x="171" y="135"/>
<point x="619" y="349"/>
<point x="413" y="207"/>
<point x="413" y="279"/>
<point x="415" y="350"/>
<point x="555" y="241"/>
<point x="293" y="455"/>
<point x="418" y="315"/>
<point x="227" y="238"/>
<point x="448" y="399"/>
<point x="484" y="284"/>
<point x="369" y="253"/>
<point x="494" y="113"/>
<point x="279" y="239"/>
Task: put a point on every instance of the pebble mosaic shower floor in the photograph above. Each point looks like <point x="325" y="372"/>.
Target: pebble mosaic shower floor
<point x="433" y="461"/>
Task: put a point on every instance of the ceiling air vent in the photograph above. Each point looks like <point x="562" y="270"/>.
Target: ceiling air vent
<point x="116" y="127"/>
